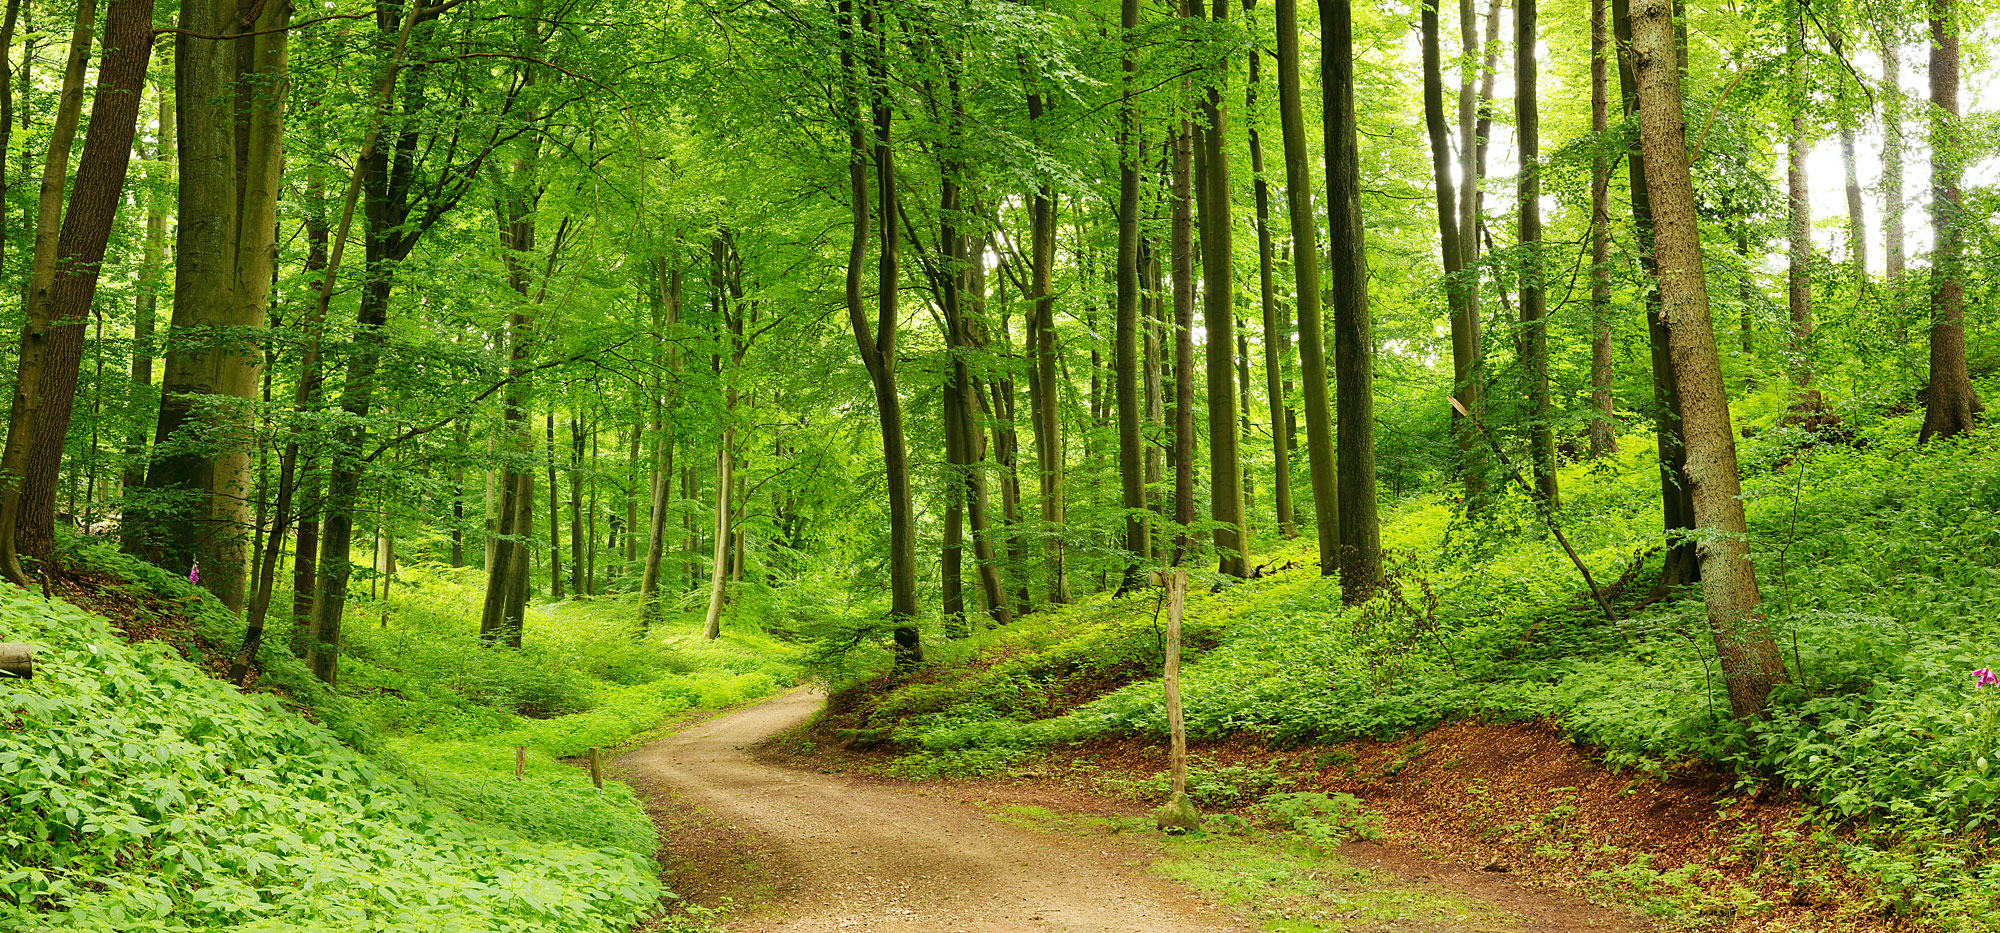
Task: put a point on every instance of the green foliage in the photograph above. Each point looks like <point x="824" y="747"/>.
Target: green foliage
<point x="1326" y="820"/>
<point x="1883" y="592"/>
<point x="141" y="794"/>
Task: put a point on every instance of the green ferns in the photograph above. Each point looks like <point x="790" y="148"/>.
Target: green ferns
<point x="140" y="795"/>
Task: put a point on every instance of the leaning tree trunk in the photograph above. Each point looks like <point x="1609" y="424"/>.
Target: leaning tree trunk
<point x="1676" y="492"/>
<point x="1353" y="335"/>
<point x="1305" y="276"/>
<point x="1751" y="666"/>
<point x="1951" y="407"/>
<point x="41" y="277"/>
<point x="86" y="230"/>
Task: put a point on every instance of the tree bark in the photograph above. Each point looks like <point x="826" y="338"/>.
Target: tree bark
<point x="1218" y="315"/>
<point x="41" y="277"/>
<point x="877" y="342"/>
<point x="1750" y="662"/>
<point x="1676" y="491"/>
<point x="145" y="305"/>
<point x="1353" y="337"/>
<point x="1603" y="422"/>
<point x="1182" y="232"/>
<point x="1534" y="347"/>
<point x="1320" y="453"/>
<point x="1799" y="199"/>
<point x="1125" y="353"/>
<point x="1951" y="407"/>
<point x="555" y="513"/>
<point x="1044" y="398"/>
<point x="1892" y="173"/>
<point x="1277" y="341"/>
<point x="1463" y="353"/>
<point x="86" y="230"/>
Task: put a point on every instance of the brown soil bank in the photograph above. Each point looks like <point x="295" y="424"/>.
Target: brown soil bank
<point x="1522" y="800"/>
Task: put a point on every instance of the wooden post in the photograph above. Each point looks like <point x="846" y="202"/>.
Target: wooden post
<point x="17" y="659"/>
<point x="1179" y="814"/>
<point x="520" y="762"/>
<point x="596" y="770"/>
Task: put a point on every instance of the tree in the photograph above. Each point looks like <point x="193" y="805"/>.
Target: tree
<point x="1534" y="346"/>
<point x="1125" y="362"/>
<point x="1305" y="271"/>
<point x="1218" y="317"/>
<point x="230" y="110"/>
<point x="1750" y="663"/>
<point x="1951" y="407"/>
<point x="877" y="342"/>
<point x="1353" y="335"/>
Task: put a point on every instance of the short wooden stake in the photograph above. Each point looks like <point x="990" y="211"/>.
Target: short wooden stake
<point x="520" y="762"/>
<point x="596" y="772"/>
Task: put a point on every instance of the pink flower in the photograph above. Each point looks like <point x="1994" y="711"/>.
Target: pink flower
<point x="194" y="574"/>
<point x="1983" y="678"/>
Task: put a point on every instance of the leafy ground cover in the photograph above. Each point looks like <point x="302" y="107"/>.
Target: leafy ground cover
<point x="1880" y="564"/>
<point x="137" y="792"/>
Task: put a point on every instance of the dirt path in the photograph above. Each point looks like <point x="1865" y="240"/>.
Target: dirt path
<point x="807" y="850"/>
<point x="842" y="854"/>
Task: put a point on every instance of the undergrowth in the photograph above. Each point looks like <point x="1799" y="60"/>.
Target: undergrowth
<point x="1880" y="568"/>
<point x="139" y="794"/>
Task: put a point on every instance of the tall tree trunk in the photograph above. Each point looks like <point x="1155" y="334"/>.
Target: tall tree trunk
<point x="1750" y="662"/>
<point x="555" y="514"/>
<point x="725" y="487"/>
<point x="230" y="100"/>
<point x="579" y="584"/>
<point x="1857" y="218"/>
<point x="877" y="342"/>
<point x="1468" y="345"/>
<point x="666" y="307"/>
<point x="1534" y="352"/>
<point x="1892" y="173"/>
<point x="1218" y="315"/>
<point x="1676" y="490"/>
<point x="1277" y="341"/>
<point x="1951" y="407"/>
<point x="8" y="86"/>
<point x="305" y="398"/>
<point x="41" y="277"/>
<point x="1045" y="397"/>
<point x="1153" y="360"/>
<point x="1353" y="337"/>
<point x="1603" y="423"/>
<point x="463" y="438"/>
<point x="1305" y="272"/>
<point x="951" y="557"/>
<point x="1462" y="334"/>
<point x="1125" y="345"/>
<point x="1182" y="231"/>
<point x="86" y="230"/>
<point x="1799" y="198"/>
<point x="146" y="304"/>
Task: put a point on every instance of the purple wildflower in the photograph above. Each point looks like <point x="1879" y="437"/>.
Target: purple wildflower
<point x="1983" y="678"/>
<point x="194" y="573"/>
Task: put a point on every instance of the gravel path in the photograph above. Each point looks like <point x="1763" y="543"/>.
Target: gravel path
<point x="847" y="854"/>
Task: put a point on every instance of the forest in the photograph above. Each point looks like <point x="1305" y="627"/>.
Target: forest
<point x="422" y="412"/>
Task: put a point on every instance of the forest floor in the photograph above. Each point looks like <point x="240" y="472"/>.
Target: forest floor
<point x="792" y="837"/>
